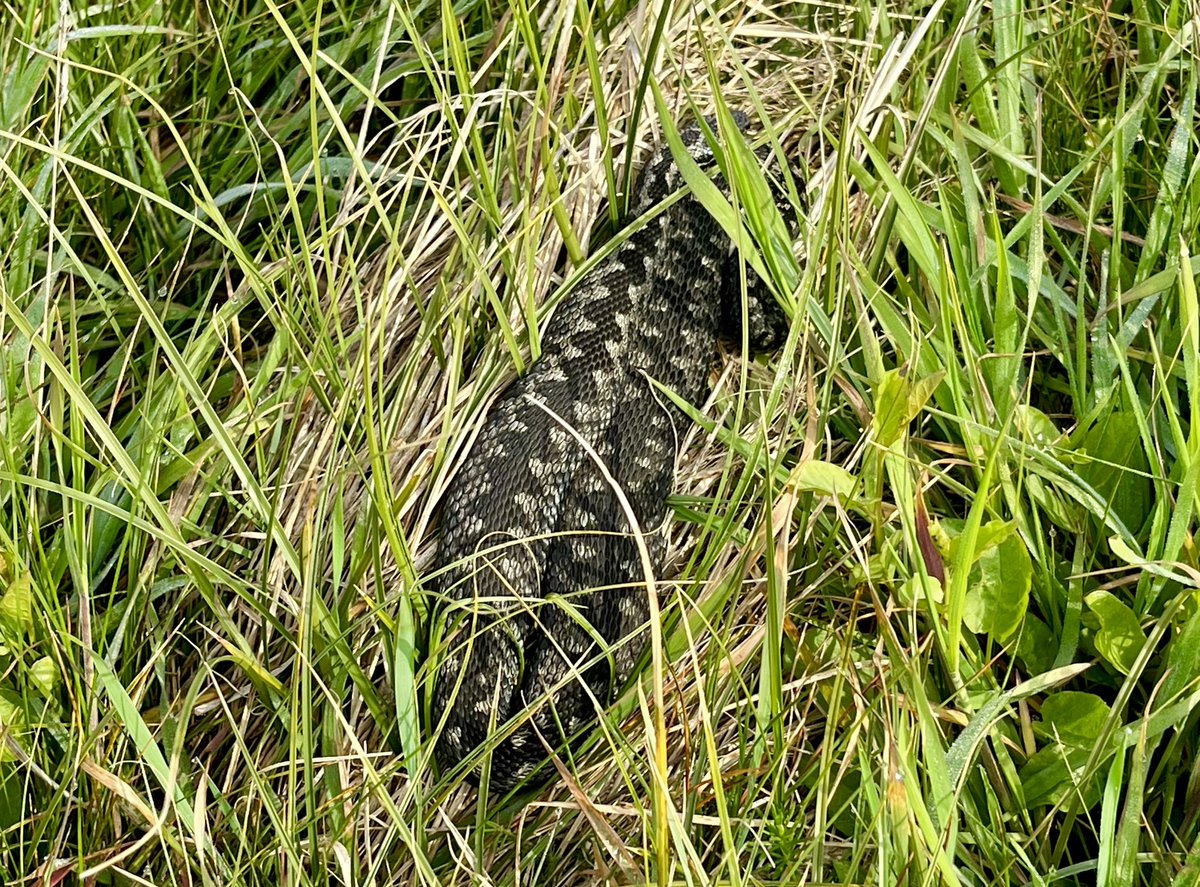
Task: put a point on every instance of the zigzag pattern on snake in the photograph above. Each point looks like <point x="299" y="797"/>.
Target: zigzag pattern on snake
<point x="540" y="558"/>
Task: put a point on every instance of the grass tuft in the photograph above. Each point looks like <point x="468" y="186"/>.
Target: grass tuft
<point x="932" y="612"/>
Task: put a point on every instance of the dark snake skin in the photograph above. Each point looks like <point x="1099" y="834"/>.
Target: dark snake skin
<point x="540" y="557"/>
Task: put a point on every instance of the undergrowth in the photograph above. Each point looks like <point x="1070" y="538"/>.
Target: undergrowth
<point x="932" y="612"/>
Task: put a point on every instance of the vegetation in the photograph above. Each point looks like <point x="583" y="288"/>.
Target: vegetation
<point x="933" y="616"/>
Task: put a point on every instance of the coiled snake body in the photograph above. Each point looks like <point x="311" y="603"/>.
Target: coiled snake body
<point x="540" y="559"/>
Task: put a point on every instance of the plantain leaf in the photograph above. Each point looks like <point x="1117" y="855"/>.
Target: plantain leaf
<point x="998" y="588"/>
<point x="1120" y="637"/>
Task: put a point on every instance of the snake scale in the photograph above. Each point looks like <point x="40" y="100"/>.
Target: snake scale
<point x="539" y="559"/>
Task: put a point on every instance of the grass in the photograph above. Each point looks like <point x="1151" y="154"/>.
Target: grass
<point x="932" y="616"/>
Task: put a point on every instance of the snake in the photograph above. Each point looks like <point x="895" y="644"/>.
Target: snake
<point x="560" y="504"/>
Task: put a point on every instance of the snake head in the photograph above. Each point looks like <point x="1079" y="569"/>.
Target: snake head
<point x="661" y="176"/>
<point x="698" y="147"/>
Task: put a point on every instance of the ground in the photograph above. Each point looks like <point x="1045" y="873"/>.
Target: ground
<point x="932" y="612"/>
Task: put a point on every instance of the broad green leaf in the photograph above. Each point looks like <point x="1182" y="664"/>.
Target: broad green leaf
<point x="1034" y="426"/>
<point x="1055" y="773"/>
<point x="1036" y="645"/>
<point x="998" y="589"/>
<point x="966" y="746"/>
<point x="12" y="725"/>
<point x="1073" y="718"/>
<point x="899" y="400"/>
<point x="1120" y="637"/>
<point x="914" y="590"/>
<point x="990" y="534"/>
<point x="1112" y="461"/>
<point x="16" y="606"/>
<point x="45" y="676"/>
<point x="825" y="478"/>
<point x="891" y="408"/>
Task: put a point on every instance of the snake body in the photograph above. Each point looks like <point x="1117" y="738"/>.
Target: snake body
<point x="540" y="561"/>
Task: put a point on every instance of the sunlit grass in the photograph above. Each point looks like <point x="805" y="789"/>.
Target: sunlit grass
<point x="931" y="615"/>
